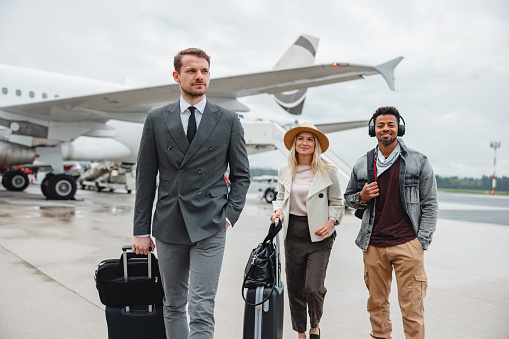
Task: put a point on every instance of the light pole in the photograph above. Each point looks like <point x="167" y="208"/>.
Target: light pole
<point x="494" y="145"/>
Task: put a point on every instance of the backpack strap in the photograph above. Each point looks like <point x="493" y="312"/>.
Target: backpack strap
<point x="371" y="165"/>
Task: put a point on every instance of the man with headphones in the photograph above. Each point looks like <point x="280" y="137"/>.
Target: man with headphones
<point x="396" y="188"/>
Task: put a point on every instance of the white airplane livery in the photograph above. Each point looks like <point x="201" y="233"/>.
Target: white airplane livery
<point x="48" y="118"/>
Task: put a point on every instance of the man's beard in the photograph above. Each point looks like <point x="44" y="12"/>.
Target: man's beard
<point x="387" y="142"/>
<point x="194" y="93"/>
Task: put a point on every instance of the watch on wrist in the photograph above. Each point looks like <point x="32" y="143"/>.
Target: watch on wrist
<point x="358" y="198"/>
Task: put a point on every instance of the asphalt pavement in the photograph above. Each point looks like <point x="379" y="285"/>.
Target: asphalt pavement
<point x="49" y="251"/>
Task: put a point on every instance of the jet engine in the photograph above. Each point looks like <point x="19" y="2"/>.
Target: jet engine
<point x="14" y="154"/>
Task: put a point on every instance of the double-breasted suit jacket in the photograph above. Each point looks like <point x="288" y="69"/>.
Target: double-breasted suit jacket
<point x="193" y="200"/>
<point x="324" y="200"/>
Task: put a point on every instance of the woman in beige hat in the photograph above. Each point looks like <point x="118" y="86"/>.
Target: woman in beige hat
<point x="310" y="205"/>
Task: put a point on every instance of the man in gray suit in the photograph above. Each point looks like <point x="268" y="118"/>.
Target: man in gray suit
<point x="190" y="143"/>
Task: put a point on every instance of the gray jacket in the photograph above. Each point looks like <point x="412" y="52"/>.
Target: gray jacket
<point x="418" y="190"/>
<point x="193" y="200"/>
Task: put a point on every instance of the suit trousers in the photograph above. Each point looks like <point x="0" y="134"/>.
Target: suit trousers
<point x="306" y="266"/>
<point x="408" y="262"/>
<point x="190" y="276"/>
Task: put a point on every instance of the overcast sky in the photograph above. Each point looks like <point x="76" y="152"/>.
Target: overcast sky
<point x="451" y="88"/>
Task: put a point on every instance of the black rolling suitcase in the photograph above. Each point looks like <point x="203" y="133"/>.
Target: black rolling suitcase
<point x="264" y="308"/>
<point x="131" y="289"/>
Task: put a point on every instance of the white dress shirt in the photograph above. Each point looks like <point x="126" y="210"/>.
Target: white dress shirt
<point x="185" y="113"/>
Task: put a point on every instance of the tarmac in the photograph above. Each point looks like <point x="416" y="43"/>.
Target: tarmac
<point x="49" y="251"/>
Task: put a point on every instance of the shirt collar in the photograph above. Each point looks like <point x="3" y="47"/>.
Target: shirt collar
<point x="200" y="106"/>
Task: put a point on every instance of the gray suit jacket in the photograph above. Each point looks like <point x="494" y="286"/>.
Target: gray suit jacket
<point x="193" y="198"/>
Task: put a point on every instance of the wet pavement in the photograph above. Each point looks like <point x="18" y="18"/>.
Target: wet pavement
<point x="49" y="251"/>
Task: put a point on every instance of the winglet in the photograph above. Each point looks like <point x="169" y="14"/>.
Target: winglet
<point x="301" y="53"/>
<point x="387" y="71"/>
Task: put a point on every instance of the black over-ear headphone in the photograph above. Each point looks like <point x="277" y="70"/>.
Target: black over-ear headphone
<point x="371" y="127"/>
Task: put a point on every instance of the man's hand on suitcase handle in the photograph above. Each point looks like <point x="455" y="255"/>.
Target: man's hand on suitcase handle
<point x="143" y="245"/>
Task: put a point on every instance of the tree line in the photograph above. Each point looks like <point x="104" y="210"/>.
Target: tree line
<point x="479" y="184"/>
<point x="482" y="184"/>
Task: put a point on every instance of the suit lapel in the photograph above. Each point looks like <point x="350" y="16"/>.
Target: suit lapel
<point x="174" y="125"/>
<point x="208" y="122"/>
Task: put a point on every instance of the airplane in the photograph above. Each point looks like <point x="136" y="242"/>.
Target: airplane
<point x="46" y="118"/>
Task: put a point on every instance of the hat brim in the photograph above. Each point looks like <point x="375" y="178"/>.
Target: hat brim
<point x="291" y="134"/>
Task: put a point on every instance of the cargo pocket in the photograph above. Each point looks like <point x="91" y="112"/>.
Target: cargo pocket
<point x="421" y="285"/>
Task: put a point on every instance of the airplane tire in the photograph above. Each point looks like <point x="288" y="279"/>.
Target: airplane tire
<point x="16" y="181"/>
<point x="44" y="185"/>
<point x="270" y="195"/>
<point x="4" y="180"/>
<point x="61" y="187"/>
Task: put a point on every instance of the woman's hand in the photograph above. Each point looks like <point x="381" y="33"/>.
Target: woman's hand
<point x="324" y="230"/>
<point x="277" y="214"/>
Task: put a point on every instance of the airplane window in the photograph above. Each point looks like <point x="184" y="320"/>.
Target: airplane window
<point x="18" y="92"/>
<point x="44" y="95"/>
<point x="56" y="95"/>
<point x="4" y="90"/>
<point x="32" y="94"/>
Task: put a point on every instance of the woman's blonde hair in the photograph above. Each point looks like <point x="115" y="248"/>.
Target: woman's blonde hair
<point x="318" y="164"/>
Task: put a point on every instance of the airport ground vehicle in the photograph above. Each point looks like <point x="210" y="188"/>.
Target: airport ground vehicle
<point x="105" y="176"/>
<point x="267" y="187"/>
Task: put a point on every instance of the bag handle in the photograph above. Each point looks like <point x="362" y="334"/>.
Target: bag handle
<point x="273" y="231"/>
<point x="125" y="249"/>
<point x="264" y="299"/>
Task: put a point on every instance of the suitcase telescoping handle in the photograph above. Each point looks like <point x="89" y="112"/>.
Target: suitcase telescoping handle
<point x="278" y="263"/>
<point x="126" y="248"/>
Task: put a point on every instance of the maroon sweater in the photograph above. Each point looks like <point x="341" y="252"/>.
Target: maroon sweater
<point x="392" y="225"/>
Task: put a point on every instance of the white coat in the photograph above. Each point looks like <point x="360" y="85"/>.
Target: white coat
<point x="324" y="200"/>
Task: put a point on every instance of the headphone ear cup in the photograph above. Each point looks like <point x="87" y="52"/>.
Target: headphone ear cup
<point x="371" y="131"/>
<point x="371" y="127"/>
<point x="401" y="130"/>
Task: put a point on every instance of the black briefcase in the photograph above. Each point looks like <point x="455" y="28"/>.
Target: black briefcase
<point x="132" y="280"/>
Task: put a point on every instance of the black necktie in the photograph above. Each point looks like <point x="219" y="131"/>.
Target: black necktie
<point x="191" y="125"/>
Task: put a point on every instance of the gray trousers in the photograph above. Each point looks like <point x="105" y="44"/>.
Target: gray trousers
<point x="190" y="275"/>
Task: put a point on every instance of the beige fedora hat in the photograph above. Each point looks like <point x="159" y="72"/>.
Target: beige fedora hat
<point x="306" y="127"/>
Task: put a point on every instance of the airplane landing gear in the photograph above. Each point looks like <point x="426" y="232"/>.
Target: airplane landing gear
<point x="15" y="180"/>
<point x="59" y="187"/>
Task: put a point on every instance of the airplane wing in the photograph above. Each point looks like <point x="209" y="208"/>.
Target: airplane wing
<point x="341" y="126"/>
<point x="133" y="104"/>
<point x="276" y="81"/>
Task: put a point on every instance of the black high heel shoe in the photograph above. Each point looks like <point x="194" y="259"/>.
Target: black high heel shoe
<point x="315" y="336"/>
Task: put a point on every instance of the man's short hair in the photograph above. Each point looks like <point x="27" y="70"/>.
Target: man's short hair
<point x="177" y="60"/>
<point x="386" y="110"/>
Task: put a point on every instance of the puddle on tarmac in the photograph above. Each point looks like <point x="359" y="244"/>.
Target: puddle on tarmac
<point x="114" y="210"/>
<point x="66" y="213"/>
